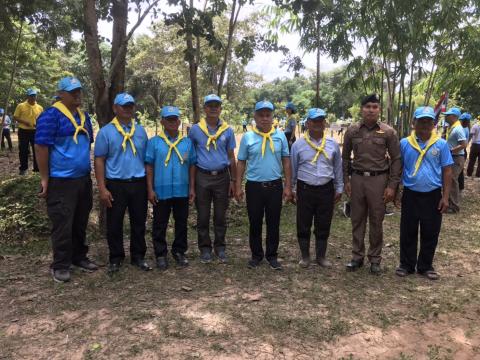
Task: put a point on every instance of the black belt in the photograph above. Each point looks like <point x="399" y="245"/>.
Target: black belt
<point x="130" y="180"/>
<point x="369" y="173"/>
<point x="454" y="155"/>
<point x="303" y="185"/>
<point x="267" y="183"/>
<point x="214" y="172"/>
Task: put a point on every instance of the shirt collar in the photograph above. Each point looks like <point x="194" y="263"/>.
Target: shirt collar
<point x="377" y="124"/>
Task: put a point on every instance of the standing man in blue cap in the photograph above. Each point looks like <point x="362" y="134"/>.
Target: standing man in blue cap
<point x="120" y="171"/>
<point x="457" y="141"/>
<point x="427" y="177"/>
<point x="170" y="163"/>
<point x="264" y="154"/>
<point x="465" y="121"/>
<point x="291" y="123"/>
<point x="215" y="175"/>
<point x="62" y="141"/>
<point x="26" y="115"/>
<point x="318" y="182"/>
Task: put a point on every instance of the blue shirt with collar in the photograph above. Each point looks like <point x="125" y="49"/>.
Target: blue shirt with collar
<point x="265" y="168"/>
<point x="213" y="159"/>
<point x="456" y="135"/>
<point x="67" y="159"/>
<point x="171" y="181"/>
<point x="429" y="176"/>
<point x="120" y="164"/>
<point x="323" y="170"/>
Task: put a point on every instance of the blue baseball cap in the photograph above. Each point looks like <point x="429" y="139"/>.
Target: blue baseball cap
<point x="453" y="111"/>
<point x="2" y="111"/>
<point x="264" y="105"/>
<point x="170" y="111"/>
<point x="31" y="92"/>
<point x="291" y="106"/>
<point x="212" y="98"/>
<point x="69" y="83"/>
<point x="424" y="112"/>
<point x="123" y="99"/>
<point x="316" y="114"/>
<point x="465" y="116"/>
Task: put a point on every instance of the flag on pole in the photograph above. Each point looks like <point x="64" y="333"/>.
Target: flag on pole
<point x="441" y="106"/>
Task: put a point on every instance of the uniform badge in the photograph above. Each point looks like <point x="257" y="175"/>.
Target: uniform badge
<point x="380" y="132"/>
<point x="434" y="152"/>
<point x="222" y="138"/>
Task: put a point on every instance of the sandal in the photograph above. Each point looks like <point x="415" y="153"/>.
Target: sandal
<point x="430" y="275"/>
<point x="401" y="272"/>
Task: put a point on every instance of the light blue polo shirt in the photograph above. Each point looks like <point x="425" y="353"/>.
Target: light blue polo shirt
<point x="170" y="181"/>
<point x="121" y="164"/>
<point x="67" y="159"/>
<point x="270" y="166"/>
<point x="429" y="175"/>
<point x="213" y="159"/>
<point x="456" y="135"/>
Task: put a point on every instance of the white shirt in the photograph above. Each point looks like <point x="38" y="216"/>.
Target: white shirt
<point x="7" y="122"/>
<point x="475" y="134"/>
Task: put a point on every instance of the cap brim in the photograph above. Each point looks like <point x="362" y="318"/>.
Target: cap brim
<point x="71" y="88"/>
<point x="210" y="101"/>
<point x="126" y="103"/>
<point x="321" y="117"/>
<point x="425" y="117"/>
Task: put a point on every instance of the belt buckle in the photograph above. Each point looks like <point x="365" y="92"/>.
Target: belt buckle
<point x="265" y="184"/>
<point x="214" y="172"/>
<point x="366" y="173"/>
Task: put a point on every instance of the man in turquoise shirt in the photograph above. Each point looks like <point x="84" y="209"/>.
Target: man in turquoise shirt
<point x="427" y="173"/>
<point x="120" y="171"/>
<point x="264" y="154"/>
<point x="170" y="163"/>
<point x="457" y="142"/>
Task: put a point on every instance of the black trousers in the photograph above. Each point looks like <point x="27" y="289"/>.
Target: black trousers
<point x="6" y="135"/>
<point x="264" y="199"/>
<point x="461" y="177"/>
<point x="419" y="209"/>
<point x="211" y="189"/>
<point x="69" y="202"/>
<point x="26" y="139"/>
<point x="161" y="215"/>
<point x="314" y="204"/>
<point x="132" y="196"/>
<point x="474" y="155"/>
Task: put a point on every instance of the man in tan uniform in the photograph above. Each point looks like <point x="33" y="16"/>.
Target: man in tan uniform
<point x="371" y="179"/>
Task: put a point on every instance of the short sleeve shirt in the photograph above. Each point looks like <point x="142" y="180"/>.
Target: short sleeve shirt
<point x="28" y="112"/>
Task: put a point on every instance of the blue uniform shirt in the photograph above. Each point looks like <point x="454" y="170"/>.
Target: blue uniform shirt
<point x="170" y="181"/>
<point x="323" y="170"/>
<point x="456" y="135"/>
<point x="467" y="133"/>
<point x="66" y="158"/>
<point x="121" y="164"/>
<point x="269" y="167"/>
<point x="214" y="159"/>
<point x="429" y="175"/>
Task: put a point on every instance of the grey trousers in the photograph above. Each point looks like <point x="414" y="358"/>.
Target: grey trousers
<point x="454" y="200"/>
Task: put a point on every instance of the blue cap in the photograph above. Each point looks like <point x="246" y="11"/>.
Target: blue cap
<point x="170" y="111"/>
<point x="465" y="116"/>
<point x="2" y="111"/>
<point x="453" y="111"/>
<point x="316" y="113"/>
<point x="264" y="105"/>
<point x="69" y="83"/>
<point x="123" y="99"/>
<point x="291" y="106"/>
<point x="212" y="98"/>
<point x="31" y="92"/>
<point x="424" y="112"/>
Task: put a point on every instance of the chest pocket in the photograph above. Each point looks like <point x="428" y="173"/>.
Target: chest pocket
<point x="377" y="140"/>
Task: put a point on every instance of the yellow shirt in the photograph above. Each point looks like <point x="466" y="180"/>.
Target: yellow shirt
<point x="30" y="113"/>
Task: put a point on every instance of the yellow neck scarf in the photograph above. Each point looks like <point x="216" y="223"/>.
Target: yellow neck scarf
<point x="172" y="146"/>
<point x="126" y="136"/>
<point x="453" y="126"/>
<point x="64" y="110"/>
<point x="266" y="136"/>
<point x="320" y="149"/>
<point x="212" y="139"/>
<point x="412" y="140"/>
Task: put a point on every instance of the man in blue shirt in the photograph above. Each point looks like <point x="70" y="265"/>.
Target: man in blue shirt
<point x="457" y="142"/>
<point x="170" y="163"/>
<point x="465" y="121"/>
<point x="62" y="142"/>
<point x="318" y="178"/>
<point x="215" y="174"/>
<point x="120" y="171"/>
<point x="427" y="168"/>
<point x="264" y="154"/>
<point x="291" y="123"/>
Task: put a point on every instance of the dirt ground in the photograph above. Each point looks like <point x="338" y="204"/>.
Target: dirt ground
<point x="230" y="312"/>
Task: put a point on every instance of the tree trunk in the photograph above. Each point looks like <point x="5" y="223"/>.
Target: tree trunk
<point x="192" y="67"/>
<point x="431" y="81"/>
<point x="381" y="93"/>
<point x="410" y="96"/>
<point x="317" y="80"/>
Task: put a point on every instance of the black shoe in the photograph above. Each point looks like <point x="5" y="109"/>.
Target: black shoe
<point x="141" y="264"/>
<point x="60" y="275"/>
<point x="206" y="256"/>
<point x="375" y="269"/>
<point x="222" y="258"/>
<point x="253" y="263"/>
<point x="86" y="265"/>
<point x="23" y="172"/>
<point x="180" y="259"/>
<point x="114" y="267"/>
<point x="275" y="265"/>
<point x="162" y="263"/>
<point x="353" y="265"/>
